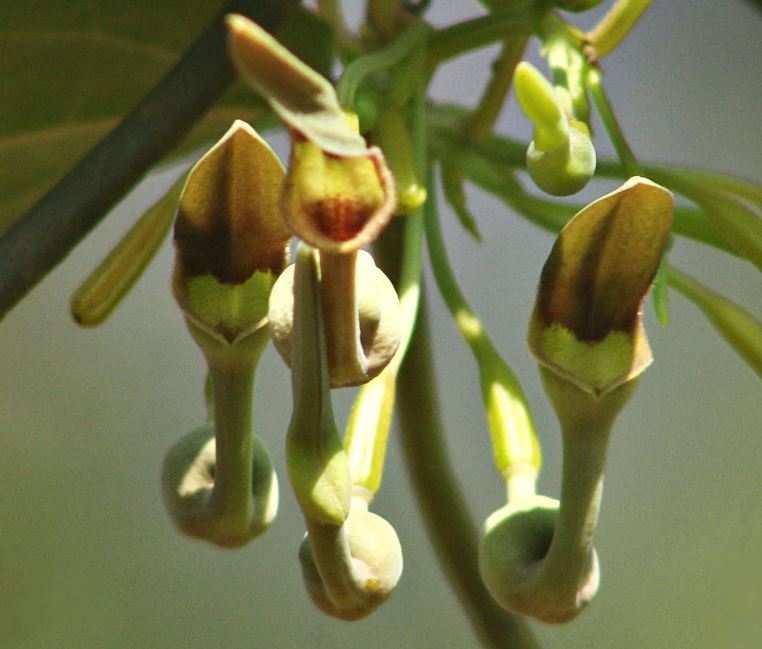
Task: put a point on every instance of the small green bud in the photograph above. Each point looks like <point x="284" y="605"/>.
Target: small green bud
<point x="567" y="169"/>
<point x="561" y="157"/>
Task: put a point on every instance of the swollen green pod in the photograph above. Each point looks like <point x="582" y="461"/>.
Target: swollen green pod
<point x="361" y="312"/>
<point x="188" y="488"/>
<point x="374" y="554"/>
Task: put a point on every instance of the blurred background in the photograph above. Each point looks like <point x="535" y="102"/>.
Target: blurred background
<point x="89" y="559"/>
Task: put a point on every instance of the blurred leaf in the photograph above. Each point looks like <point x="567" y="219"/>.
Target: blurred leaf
<point x="736" y="325"/>
<point x="71" y="70"/>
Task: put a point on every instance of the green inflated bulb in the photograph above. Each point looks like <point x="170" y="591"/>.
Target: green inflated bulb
<point x="375" y="564"/>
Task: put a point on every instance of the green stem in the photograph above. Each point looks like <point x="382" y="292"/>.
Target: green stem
<point x="516" y="22"/>
<point x="368" y="427"/>
<point x="441" y="502"/>
<point x="338" y="295"/>
<point x="330" y="10"/>
<point x="317" y="463"/>
<point x="586" y="422"/>
<point x="615" y="25"/>
<point x="483" y="119"/>
<point x="231" y="497"/>
<point x="60" y="219"/>
<point x="514" y="442"/>
<point x="738" y="225"/>
<point x="382" y="59"/>
<point x="610" y="122"/>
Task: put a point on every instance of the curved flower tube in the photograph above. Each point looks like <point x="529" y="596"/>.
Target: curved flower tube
<point x="353" y="559"/>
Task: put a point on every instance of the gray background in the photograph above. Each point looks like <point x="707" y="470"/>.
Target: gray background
<point x="87" y="555"/>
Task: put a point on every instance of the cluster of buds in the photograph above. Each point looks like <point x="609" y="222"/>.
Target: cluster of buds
<point x="332" y="315"/>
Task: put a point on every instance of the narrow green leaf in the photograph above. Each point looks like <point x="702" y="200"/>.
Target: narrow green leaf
<point x="110" y="282"/>
<point x="738" y="327"/>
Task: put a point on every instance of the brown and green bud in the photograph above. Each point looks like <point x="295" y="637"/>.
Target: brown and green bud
<point x="230" y="238"/>
<point x="337" y="204"/>
<point x="586" y="325"/>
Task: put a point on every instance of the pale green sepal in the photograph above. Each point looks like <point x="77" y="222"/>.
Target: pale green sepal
<point x="301" y="97"/>
<point x="595" y="367"/>
<point x="227" y="310"/>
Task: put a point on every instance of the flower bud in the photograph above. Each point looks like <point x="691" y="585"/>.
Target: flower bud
<point x="336" y="204"/>
<point x="229" y="236"/>
<point x="586" y="325"/>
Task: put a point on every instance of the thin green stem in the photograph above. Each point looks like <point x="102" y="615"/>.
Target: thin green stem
<point x="448" y="42"/>
<point x="231" y="497"/>
<point x="382" y="59"/>
<point x="368" y="428"/>
<point x="483" y="119"/>
<point x="60" y="219"/>
<point x="330" y="10"/>
<point x="441" y="502"/>
<point x="317" y="463"/>
<point x="615" y="25"/>
<point x="514" y="442"/>
<point x="738" y="225"/>
<point x="610" y="122"/>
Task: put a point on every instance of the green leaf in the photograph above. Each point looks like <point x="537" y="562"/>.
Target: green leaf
<point x="91" y="63"/>
<point x="737" y="326"/>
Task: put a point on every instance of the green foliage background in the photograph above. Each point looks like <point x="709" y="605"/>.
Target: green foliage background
<point x="87" y="555"/>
